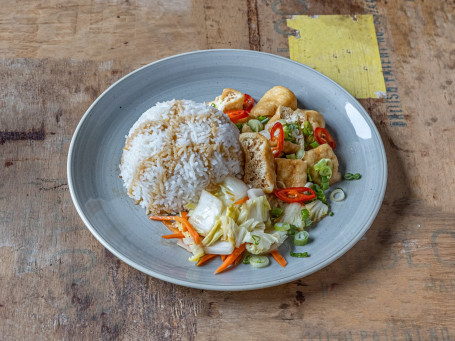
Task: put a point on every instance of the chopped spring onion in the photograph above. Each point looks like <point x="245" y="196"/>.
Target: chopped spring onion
<point x="265" y="120"/>
<point x="262" y="117"/>
<point x="331" y="214"/>
<point x="325" y="183"/>
<point x="256" y="239"/>
<point x="259" y="261"/>
<point x="283" y="122"/>
<point x="240" y="126"/>
<point x="324" y="167"/>
<point x="309" y="174"/>
<point x="213" y="105"/>
<point x="288" y="130"/>
<point x="282" y="226"/>
<point x="307" y="129"/>
<point x="255" y="125"/>
<point x="301" y="238"/>
<point x="246" y="259"/>
<point x="319" y="193"/>
<point x="290" y="156"/>
<point x="276" y="212"/>
<point x="306" y="217"/>
<point x="291" y="231"/>
<point x="350" y="176"/>
<point x="314" y="144"/>
<point x="337" y="195"/>
<point x="299" y="255"/>
<point x="300" y="154"/>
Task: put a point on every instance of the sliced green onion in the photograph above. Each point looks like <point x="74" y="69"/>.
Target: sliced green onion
<point x="309" y="174"/>
<point x="350" y="176"/>
<point x="301" y="238"/>
<point x="282" y="226"/>
<point x="290" y="156"/>
<point x="299" y="255"/>
<point x="331" y="214"/>
<point x="259" y="261"/>
<point x="283" y="122"/>
<point x="256" y="239"/>
<point x="337" y="195"/>
<point x="305" y="214"/>
<point x="300" y="154"/>
<point x="262" y="117"/>
<point x="276" y="212"/>
<point x="325" y="183"/>
<point x="307" y="129"/>
<point x="291" y="231"/>
<point x="314" y="144"/>
<point x="213" y="105"/>
<point x="255" y="125"/>
<point x="246" y="259"/>
<point x="319" y="193"/>
<point x="240" y="126"/>
<point x="265" y="120"/>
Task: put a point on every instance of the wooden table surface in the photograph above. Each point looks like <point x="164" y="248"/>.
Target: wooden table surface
<point x="58" y="282"/>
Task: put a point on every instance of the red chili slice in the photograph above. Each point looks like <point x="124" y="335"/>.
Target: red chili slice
<point x="236" y="115"/>
<point x="248" y="103"/>
<point x="323" y="136"/>
<point x="295" y="194"/>
<point x="276" y="151"/>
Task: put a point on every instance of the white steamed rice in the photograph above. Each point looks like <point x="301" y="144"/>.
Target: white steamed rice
<point x="174" y="151"/>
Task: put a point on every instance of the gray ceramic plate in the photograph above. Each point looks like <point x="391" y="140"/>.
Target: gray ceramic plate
<point x="124" y="229"/>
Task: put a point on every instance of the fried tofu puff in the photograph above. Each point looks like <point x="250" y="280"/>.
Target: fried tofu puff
<point x="290" y="173"/>
<point x="259" y="162"/>
<point x="324" y="151"/>
<point x="272" y="99"/>
<point x="230" y="99"/>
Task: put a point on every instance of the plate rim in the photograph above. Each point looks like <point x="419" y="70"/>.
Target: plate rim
<point x="266" y="284"/>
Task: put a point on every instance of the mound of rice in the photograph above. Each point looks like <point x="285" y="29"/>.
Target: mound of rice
<point x="174" y="151"/>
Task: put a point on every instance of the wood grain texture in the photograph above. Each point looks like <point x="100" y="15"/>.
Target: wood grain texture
<point x="57" y="282"/>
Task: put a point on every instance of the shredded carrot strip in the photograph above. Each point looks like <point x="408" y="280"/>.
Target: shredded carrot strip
<point x="279" y="258"/>
<point x="174" y="235"/>
<point x="231" y="258"/>
<point x="205" y="258"/>
<point x="223" y="257"/>
<point x="241" y="201"/>
<point x="238" y="259"/>
<point x="185" y="223"/>
<point x="170" y="226"/>
<point x="185" y="214"/>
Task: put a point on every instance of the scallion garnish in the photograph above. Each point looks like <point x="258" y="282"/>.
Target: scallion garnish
<point x="282" y="226"/>
<point x="337" y="195"/>
<point x="213" y="105"/>
<point x="300" y="154"/>
<point x="299" y="255"/>
<point x="261" y="118"/>
<point x="259" y="261"/>
<point x="301" y="238"/>
<point x="305" y="214"/>
<point x="314" y="144"/>
<point x="246" y="259"/>
<point x="309" y="174"/>
<point x="307" y="129"/>
<point x="276" y="212"/>
<point x="290" y="156"/>
<point x="325" y="183"/>
<point x="256" y="239"/>
<point x="240" y="126"/>
<point x="255" y="125"/>
<point x="319" y="193"/>
<point x="331" y="214"/>
<point x="264" y="121"/>
<point x="350" y="176"/>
